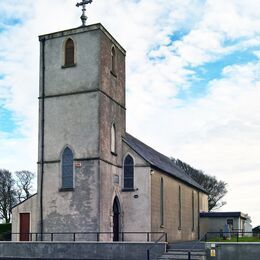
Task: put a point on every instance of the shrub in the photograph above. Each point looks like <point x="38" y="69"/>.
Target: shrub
<point x="5" y="232"/>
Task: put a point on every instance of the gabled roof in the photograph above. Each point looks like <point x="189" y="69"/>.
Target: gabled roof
<point x="160" y="161"/>
<point x="24" y="200"/>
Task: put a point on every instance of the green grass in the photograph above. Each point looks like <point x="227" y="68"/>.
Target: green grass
<point x="234" y="239"/>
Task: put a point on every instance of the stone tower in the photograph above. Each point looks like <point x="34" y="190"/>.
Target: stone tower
<point x="81" y="125"/>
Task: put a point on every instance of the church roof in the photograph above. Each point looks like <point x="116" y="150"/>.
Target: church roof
<point x="160" y="161"/>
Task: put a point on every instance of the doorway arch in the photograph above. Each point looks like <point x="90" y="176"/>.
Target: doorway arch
<point x="116" y="219"/>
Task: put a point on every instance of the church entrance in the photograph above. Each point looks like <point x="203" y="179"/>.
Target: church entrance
<point x="116" y="219"/>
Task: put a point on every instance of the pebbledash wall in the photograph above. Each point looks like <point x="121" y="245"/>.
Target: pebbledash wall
<point x="80" y="250"/>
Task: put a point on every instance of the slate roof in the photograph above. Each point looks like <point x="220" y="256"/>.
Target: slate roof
<point x="222" y="215"/>
<point x="160" y="161"/>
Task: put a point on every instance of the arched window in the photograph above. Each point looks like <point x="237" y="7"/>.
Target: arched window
<point x="193" y="211"/>
<point x="69" y="52"/>
<point x="129" y="172"/>
<point x="113" y="138"/>
<point x="113" y="60"/>
<point x="180" y="208"/>
<point x="67" y="169"/>
<point x="162" y="203"/>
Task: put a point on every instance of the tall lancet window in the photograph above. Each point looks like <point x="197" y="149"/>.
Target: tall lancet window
<point x="67" y="169"/>
<point x="113" y="139"/>
<point x="180" y="213"/>
<point x="113" y="61"/>
<point x="129" y="172"/>
<point x="162" y="203"/>
<point x="69" y="53"/>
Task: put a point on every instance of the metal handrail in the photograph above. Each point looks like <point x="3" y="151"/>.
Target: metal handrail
<point x="195" y="245"/>
<point x="155" y="243"/>
<point x="52" y="235"/>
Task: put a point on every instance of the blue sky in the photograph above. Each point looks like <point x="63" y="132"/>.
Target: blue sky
<point x="192" y="70"/>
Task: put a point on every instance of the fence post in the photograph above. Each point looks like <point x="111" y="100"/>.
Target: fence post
<point x="74" y="237"/>
<point x="51" y="237"/>
<point x="147" y="235"/>
<point x="97" y="237"/>
<point x="166" y="237"/>
<point x="148" y="254"/>
<point x="123" y="236"/>
<point x="237" y="236"/>
<point x="189" y="255"/>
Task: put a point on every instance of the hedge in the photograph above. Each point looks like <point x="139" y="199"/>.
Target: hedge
<point x="5" y="232"/>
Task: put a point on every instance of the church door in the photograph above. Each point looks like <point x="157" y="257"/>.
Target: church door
<point x="24" y="226"/>
<point x="116" y="219"/>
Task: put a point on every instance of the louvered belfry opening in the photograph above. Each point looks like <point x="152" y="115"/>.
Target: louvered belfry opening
<point x="69" y="53"/>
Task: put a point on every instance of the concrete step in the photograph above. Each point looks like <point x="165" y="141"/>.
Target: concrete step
<point x="183" y="255"/>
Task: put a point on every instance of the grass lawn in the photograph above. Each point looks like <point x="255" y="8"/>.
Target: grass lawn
<point x="234" y="239"/>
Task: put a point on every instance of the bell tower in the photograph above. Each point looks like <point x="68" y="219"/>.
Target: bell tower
<point x="81" y="125"/>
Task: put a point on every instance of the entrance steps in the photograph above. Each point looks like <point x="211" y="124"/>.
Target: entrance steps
<point x="183" y="255"/>
<point x="180" y="251"/>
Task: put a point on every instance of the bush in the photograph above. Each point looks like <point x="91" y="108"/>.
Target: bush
<point x="5" y="232"/>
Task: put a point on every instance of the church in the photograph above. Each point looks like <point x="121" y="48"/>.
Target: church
<point x="93" y="176"/>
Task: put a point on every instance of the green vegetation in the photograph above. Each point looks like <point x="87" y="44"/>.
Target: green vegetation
<point x="234" y="239"/>
<point x="5" y="230"/>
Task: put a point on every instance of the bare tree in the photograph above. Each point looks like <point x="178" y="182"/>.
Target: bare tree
<point x="7" y="195"/>
<point x="24" y="184"/>
<point x="216" y="189"/>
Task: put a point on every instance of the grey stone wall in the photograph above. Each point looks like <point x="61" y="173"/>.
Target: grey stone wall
<point x="102" y="251"/>
<point x="137" y="203"/>
<point x="234" y="251"/>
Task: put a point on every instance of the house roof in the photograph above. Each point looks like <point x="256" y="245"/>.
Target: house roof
<point x="24" y="201"/>
<point x="160" y="161"/>
<point x="222" y="215"/>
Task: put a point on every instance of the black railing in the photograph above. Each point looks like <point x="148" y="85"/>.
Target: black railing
<point x="87" y="236"/>
<point x="195" y="246"/>
<point x="155" y="243"/>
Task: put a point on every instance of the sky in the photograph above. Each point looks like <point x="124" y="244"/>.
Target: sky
<point x="193" y="82"/>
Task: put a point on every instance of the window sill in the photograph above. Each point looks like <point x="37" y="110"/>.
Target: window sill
<point x="115" y="154"/>
<point x="128" y="190"/>
<point x="66" y="189"/>
<point x="68" y="66"/>
<point x="113" y="73"/>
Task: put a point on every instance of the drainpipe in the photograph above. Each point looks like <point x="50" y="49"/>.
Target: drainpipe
<point x="42" y="137"/>
<point x="198" y="215"/>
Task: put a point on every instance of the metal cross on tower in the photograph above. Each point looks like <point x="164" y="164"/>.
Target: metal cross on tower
<point x="83" y="16"/>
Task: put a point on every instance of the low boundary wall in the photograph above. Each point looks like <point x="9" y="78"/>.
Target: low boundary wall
<point x="80" y="250"/>
<point x="234" y="251"/>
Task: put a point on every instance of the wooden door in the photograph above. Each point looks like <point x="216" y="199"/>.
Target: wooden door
<point x="24" y="226"/>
